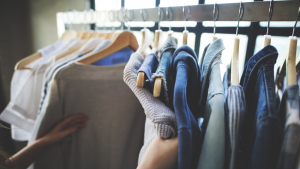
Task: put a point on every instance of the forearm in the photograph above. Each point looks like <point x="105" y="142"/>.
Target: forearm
<point x="28" y="154"/>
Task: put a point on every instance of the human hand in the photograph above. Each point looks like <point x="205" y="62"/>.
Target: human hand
<point x="161" y="154"/>
<point x="64" y="128"/>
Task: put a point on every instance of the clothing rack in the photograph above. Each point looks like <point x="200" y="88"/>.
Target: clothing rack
<point x="253" y="11"/>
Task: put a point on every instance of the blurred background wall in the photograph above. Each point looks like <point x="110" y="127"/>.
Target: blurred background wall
<point x="25" y="27"/>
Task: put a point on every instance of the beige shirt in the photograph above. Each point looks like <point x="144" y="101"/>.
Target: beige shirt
<point x="114" y="133"/>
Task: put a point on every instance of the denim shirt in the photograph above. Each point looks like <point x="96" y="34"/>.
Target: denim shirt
<point x="186" y="87"/>
<point x="163" y="70"/>
<point x="212" y="108"/>
<point x="262" y="130"/>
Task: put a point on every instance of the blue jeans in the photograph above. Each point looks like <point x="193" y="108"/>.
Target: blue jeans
<point x="148" y="67"/>
<point x="262" y="131"/>
<point x="163" y="70"/>
<point x="186" y="88"/>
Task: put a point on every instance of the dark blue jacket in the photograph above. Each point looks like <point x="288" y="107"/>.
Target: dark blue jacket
<point x="186" y="88"/>
<point x="262" y="130"/>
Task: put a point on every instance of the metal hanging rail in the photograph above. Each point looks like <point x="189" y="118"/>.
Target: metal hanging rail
<point x="253" y="11"/>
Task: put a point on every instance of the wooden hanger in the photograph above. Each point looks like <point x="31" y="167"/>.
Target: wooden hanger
<point x="95" y="34"/>
<point x="158" y="80"/>
<point x="121" y="41"/>
<point x="146" y="42"/>
<point x="235" y="62"/>
<point x="291" y="77"/>
<point x="235" y="55"/>
<point x="267" y="40"/>
<point x="170" y="33"/>
<point x="289" y="63"/>
<point x="86" y="35"/>
<point x="70" y="51"/>
<point x="185" y="36"/>
<point x="67" y="35"/>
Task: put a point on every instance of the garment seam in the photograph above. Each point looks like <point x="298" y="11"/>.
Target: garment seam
<point x="252" y="70"/>
<point x="267" y="91"/>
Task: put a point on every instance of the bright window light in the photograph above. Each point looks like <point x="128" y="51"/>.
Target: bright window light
<point x="281" y="44"/>
<point x="228" y="40"/>
<point x="225" y="23"/>
<point x="170" y="3"/>
<point x="138" y="4"/>
<point x="102" y="17"/>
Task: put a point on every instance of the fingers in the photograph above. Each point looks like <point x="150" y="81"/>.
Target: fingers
<point x="76" y="121"/>
<point x="73" y="129"/>
<point x="68" y="120"/>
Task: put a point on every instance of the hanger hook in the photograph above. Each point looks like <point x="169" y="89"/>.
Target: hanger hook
<point x="127" y="16"/>
<point x="103" y="19"/>
<point x="240" y="16"/>
<point x="160" y="16"/>
<point x="144" y="14"/>
<point x="169" y="13"/>
<point x="92" y="19"/>
<point x="97" y="13"/>
<point x="74" y="12"/>
<point x="85" y="23"/>
<point x="215" y="16"/>
<point x="270" y="16"/>
<point x="112" y="19"/>
<point x="118" y="17"/>
<point x="66" y="18"/>
<point x="184" y="15"/>
<point x="296" y="22"/>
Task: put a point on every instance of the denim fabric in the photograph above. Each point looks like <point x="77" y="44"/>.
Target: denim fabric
<point x="226" y="81"/>
<point x="235" y="111"/>
<point x="186" y="88"/>
<point x="209" y="55"/>
<point x="291" y="143"/>
<point x="212" y="105"/>
<point x="262" y="131"/>
<point x="148" y="67"/>
<point x="163" y="70"/>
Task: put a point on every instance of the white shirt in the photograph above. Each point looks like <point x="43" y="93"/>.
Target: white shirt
<point x="26" y="86"/>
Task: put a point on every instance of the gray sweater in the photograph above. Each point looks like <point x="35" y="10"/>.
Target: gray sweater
<point x="114" y="133"/>
<point x="160" y="120"/>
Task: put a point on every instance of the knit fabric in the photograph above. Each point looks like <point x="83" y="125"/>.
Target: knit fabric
<point x="160" y="120"/>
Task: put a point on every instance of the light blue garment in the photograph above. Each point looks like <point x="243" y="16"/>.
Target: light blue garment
<point x="212" y="105"/>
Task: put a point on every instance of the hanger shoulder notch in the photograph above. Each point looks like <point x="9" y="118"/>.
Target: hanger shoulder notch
<point x="22" y="63"/>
